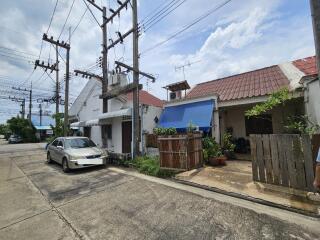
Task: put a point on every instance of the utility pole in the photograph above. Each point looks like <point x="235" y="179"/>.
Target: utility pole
<point x="30" y="102"/>
<point x="22" y="105"/>
<point x="104" y="61"/>
<point x="57" y="83"/>
<point x="315" y="14"/>
<point x="66" y="93"/>
<point x="132" y="87"/>
<point x="66" y="46"/>
<point x="40" y="113"/>
<point x="30" y="98"/>
<point x="136" y="125"/>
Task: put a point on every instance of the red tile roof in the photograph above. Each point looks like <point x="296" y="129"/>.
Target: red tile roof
<point x="250" y="84"/>
<point x="306" y="65"/>
<point x="147" y="98"/>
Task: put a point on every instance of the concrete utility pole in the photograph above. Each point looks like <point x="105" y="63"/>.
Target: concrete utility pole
<point x="315" y="14"/>
<point x="40" y="113"/>
<point x="23" y="108"/>
<point x="54" y="67"/>
<point x="66" y="93"/>
<point x="57" y="83"/>
<point x="30" y="103"/>
<point x="104" y="60"/>
<point x="135" y="119"/>
<point x="30" y="99"/>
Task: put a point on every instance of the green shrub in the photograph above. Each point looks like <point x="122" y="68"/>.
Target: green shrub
<point x="226" y="142"/>
<point x="164" y="131"/>
<point x="151" y="166"/>
<point x="210" y="148"/>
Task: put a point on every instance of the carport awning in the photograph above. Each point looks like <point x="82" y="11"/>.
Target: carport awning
<point x="200" y="114"/>
<point x="93" y="122"/>
<point x="113" y="114"/>
<point x="43" y="127"/>
<point x="77" y="124"/>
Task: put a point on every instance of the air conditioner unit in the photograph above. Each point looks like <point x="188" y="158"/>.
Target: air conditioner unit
<point x="173" y="96"/>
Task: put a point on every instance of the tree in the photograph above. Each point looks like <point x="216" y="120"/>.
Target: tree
<point x="23" y="128"/>
<point x="58" y="129"/>
<point x="5" y="130"/>
<point x="275" y="99"/>
<point x="299" y="124"/>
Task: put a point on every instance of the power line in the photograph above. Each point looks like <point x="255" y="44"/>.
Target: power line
<point x="187" y="26"/>
<point x="54" y="11"/>
<point x="14" y="50"/>
<point x="167" y="7"/>
<point x="153" y="12"/>
<point x="161" y="16"/>
<point x="65" y="22"/>
<point x="84" y="1"/>
<point x="80" y="20"/>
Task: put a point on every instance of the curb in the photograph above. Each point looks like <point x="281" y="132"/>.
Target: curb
<point x="248" y="198"/>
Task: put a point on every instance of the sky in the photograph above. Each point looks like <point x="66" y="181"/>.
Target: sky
<point x="239" y="36"/>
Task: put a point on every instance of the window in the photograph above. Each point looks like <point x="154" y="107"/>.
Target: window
<point x="60" y="144"/>
<point x="259" y="125"/>
<point x="109" y="131"/>
<point x="79" y="143"/>
<point x="54" y="143"/>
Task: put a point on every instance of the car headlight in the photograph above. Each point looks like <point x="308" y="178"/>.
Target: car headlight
<point x="71" y="157"/>
<point x="104" y="153"/>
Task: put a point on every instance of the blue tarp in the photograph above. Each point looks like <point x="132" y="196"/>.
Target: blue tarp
<point x="46" y="121"/>
<point x="43" y="127"/>
<point x="199" y="114"/>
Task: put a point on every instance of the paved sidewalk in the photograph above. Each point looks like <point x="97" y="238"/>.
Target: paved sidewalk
<point x="39" y="201"/>
<point x="236" y="177"/>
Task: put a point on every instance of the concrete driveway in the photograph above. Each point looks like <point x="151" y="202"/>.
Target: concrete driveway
<point x="39" y="201"/>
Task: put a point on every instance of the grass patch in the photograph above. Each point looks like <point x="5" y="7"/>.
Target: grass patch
<point x="151" y="166"/>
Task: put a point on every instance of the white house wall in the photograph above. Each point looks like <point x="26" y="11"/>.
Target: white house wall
<point x="312" y="101"/>
<point x="88" y="106"/>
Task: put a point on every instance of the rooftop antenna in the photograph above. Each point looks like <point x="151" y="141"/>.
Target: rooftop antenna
<point x="188" y="64"/>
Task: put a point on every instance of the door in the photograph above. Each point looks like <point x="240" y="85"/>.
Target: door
<point x="59" y="151"/>
<point x="126" y="136"/>
<point x="52" y="149"/>
<point x="87" y="132"/>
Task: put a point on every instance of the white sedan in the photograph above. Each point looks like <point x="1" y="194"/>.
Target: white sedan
<point x="75" y="152"/>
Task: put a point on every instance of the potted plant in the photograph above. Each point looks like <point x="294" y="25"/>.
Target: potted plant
<point x="228" y="146"/>
<point x="212" y="152"/>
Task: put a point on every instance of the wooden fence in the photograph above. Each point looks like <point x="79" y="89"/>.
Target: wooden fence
<point x="284" y="159"/>
<point x="152" y="140"/>
<point x="180" y="152"/>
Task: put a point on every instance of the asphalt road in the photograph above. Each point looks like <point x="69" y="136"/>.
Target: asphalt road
<point x="39" y="201"/>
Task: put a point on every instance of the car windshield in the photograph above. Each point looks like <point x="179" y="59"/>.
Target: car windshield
<point x="79" y="143"/>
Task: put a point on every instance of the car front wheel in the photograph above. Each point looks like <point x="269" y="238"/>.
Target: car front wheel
<point x="49" y="160"/>
<point x="65" y="166"/>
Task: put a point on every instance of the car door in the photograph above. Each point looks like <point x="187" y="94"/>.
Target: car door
<point x="60" y="151"/>
<point x="52" y="148"/>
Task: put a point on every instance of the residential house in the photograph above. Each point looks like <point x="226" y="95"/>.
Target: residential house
<point x="113" y="130"/>
<point x="230" y="97"/>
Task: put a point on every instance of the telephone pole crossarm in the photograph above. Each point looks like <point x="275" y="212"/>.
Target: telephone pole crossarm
<point x="52" y="67"/>
<point x="120" y="39"/>
<point x="115" y="13"/>
<point x="131" y="69"/>
<point x="60" y="44"/>
<point x="88" y="74"/>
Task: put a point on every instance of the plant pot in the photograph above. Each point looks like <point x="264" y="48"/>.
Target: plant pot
<point x="229" y="154"/>
<point x="222" y="160"/>
<point x="217" y="161"/>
